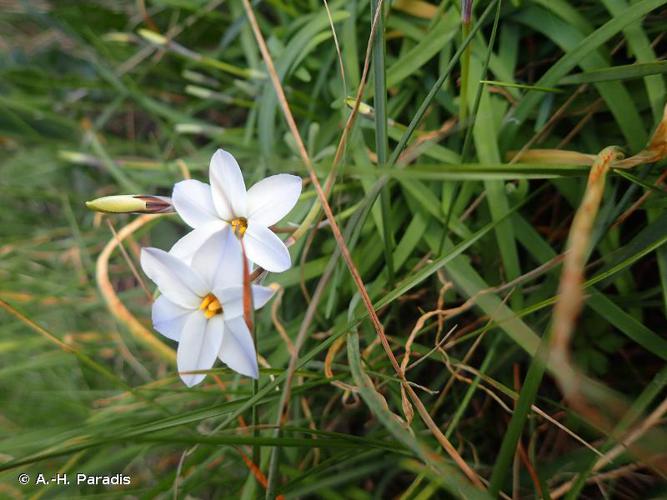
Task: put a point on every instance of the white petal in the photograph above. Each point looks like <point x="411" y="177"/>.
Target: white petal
<point x="272" y="198"/>
<point x="261" y="295"/>
<point x="185" y="248"/>
<point x="219" y="260"/>
<point x="265" y="249"/>
<point x="194" y="203"/>
<point x="200" y="343"/>
<point x="229" y="194"/>
<point x="169" y="318"/>
<point x="237" y="350"/>
<point x="175" y="279"/>
<point x="231" y="299"/>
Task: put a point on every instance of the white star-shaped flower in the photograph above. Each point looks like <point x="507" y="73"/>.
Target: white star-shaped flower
<point x="201" y="306"/>
<point x="225" y="204"/>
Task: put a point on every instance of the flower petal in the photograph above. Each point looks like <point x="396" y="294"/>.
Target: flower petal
<point x="237" y="350"/>
<point x="261" y="295"/>
<point x="265" y="249"/>
<point x="229" y="194"/>
<point x="231" y="299"/>
<point x="272" y="198"/>
<point x="219" y="260"/>
<point x="174" y="278"/>
<point x="185" y="248"/>
<point x="169" y="318"/>
<point x="200" y="343"/>
<point x="194" y="203"/>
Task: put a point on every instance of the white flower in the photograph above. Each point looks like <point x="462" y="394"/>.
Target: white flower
<point x="201" y="306"/>
<point x="226" y="204"/>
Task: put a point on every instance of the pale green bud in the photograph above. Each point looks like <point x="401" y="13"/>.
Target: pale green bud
<point x="364" y="109"/>
<point x="129" y="203"/>
<point x="152" y="37"/>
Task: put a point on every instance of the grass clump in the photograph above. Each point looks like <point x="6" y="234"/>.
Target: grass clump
<point x="419" y="347"/>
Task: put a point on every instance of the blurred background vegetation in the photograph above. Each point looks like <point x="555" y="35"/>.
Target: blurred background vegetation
<point x="103" y="97"/>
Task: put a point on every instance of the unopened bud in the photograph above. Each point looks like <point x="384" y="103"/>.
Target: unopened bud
<point x="364" y="109"/>
<point x="198" y="91"/>
<point x="118" y="37"/>
<point x="153" y="37"/>
<point x="129" y="203"/>
<point x="196" y="128"/>
<point x="76" y="157"/>
<point x="200" y="78"/>
<point x="466" y="11"/>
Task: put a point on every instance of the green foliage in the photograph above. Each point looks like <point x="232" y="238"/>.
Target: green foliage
<point x="431" y="209"/>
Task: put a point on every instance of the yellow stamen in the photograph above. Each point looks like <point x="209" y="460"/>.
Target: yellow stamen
<point x="239" y="226"/>
<point x="207" y="300"/>
<point x="211" y="306"/>
<point x="214" y="306"/>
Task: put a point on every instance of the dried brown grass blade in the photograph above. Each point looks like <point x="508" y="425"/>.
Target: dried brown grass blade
<point x="551" y="157"/>
<point x="592" y="399"/>
<point x="247" y="294"/>
<point x="570" y="300"/>
<point x="255" y="471"/>
<point x="570" y="292"/>
<point x="328" y="361"/>
<point x="652" y="420"/>
<point x="22" y="317"/>
<point x="656" y="149"/>
<point x="114" y="304"/>
<point x="435" y="430"/>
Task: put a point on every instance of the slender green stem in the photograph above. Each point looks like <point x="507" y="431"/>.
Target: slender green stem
<point x="255" y="425"/>
<point x="273" y="469"/>
<point x="508" y="447"/>
<point x="380" y="183"/>
<point x="466" y="17"/>
<point x="472" y="388"/>
<point x="381" y="138"/>
<point x="480" y="87"/>
<point x="417" y="118"/>
<point x="465" y="74"/>
<point x="249" y="317"/>
<point x="651" y="391"/>
<point x="475" y="108"/>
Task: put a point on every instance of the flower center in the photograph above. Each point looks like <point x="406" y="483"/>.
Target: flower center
<point x="211" y="306"/>
<point x="239" y="226"/>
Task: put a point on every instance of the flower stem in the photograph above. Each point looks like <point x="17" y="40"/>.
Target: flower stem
<point x="466" y="14"/>
<point x="248" y="309"/>
<point x="255" y="424"/>
<point x="381" y="139"/>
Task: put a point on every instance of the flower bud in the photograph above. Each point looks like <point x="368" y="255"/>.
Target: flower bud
<point x="128" y="203"/>
<point x="153" y="37"/>
<point x="364" y="109"/>
<point x="466" y="11"/>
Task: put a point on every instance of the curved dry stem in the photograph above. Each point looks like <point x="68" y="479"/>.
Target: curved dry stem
<point x="275" y="306"/>
<point x="114" y="304"/>
<point x="590" y="398"/>
<point x="375" y="320"/>
<point x="328" y="361"/>
<point x="570" y="291"/>
<point x="651" y="421"/>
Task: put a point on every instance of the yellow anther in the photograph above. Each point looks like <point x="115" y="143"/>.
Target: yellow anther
<point x="239" y="226"/>
<point x="214" y="306"/>
<point x="211" y="306"/>
<point x="206" y="301"/>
